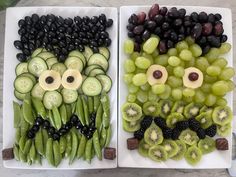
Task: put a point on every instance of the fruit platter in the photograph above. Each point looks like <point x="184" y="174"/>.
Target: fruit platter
<point x="175" y="87"/>
<point x="60" y="88"/>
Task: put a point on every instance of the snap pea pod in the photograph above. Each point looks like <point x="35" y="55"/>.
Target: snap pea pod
<point x="96" y="102"/>
<point x="108" y="137"/>
<point x="39" y="107"/>
<point x="68" y="111"/>
<point x="56" y="117"/>
<point x="80" y="110"/>
<point x="73" y="108"/>
<point x="39" y="143"/>
<point x="98" y="120"/>
<point x="17" y="135"/>
<point x="27" y="146"/>
<point x="86" y="111"/>
<point x="27" y="110"/>
<point x="32" y="152"/>
<point x="49" y="152"/>
<point x="88" y="150"/>
<point x="16" y="152"/>
<point x="90" y="104"/>
<point x="68" y="145"/>
<point x="50" y="116"/>
<point x="103" y="136"/>
<point x="17" y="117"/>
<point x="23" y="124"/>
<point x="56" y="153"/>
<point x="45" y="138"/>
<point x="93" y="152"/>
<point x="29" y="161"/>
<point x="22" y="143"/>
<point x="38" y="158"/>
<point x="106" y="109"/>
<point x="81" y="148"/>
<point x="62" y="144"/>
<point x="63" y="114"/>
<point x="96" y="145"/>
<point x="75" y="143"/>
<point x="22" y="156"/>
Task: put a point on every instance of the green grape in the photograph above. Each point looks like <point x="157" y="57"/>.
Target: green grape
<point x="138" y="70"/>
<point x="225" y="48"/>
<point x="210" y="79"/>
<point x="152" y="96"/>
<point x="128" y="78"/>
<point x="142" y="62"/>
<point x="151" y="44"/>
<point x="135" y="55"/>
<point x="220" y="88"/>
<point x="162" y="60"/>
<point x="172" y="52"/>
<point x="231" y="85"/>
<point x="129" y="66"/>
<point x="182" y="63"/>
<point x="221" y="102"/>
<point x="190" y="63"/>
<point x="206" y="88"/>
<point x="170" y="70"/>
<point x="227" y="73"/>
<point x="158" y="88"/>
<point x="131" y="98"/>
<point x="132" y="88"/>
<point x="188" y="92"/>
<point x="148" y="56"/>
<point x="139" y="79"/>
<point x="174" y="81"/>
<point x="186" y="55"/>
<point x="213" y="70"/>
<point x="202" y="63"/>
<point x="196" y="50"/>
<point x="166" y="93"/>
<point x="145" y="87"/>
<point x="190" y="40"/>
<point x="210" y="100"/>
<point x="212" y="55"/>
<point x="142" y="96"/>
<point x="176" y="94"/>
<point x="199" y="96"/>
<point x="173" y="61"/>
<point x="221" y="62"/>
<point x="155" y="53"/>
<point x="181" y="45"/>
<point x="188" y="99"/>
<point x="129" y="46"/>
<point x="178" y="71"/>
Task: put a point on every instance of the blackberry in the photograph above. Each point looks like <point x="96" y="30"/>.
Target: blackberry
<point x="146" y="122"/>
<point x="175" y="134"/>
<point x="139" y="134"/>
<point x="201" y="133"/>
<point x="211" y="131"/>
<point x="193" y="124"/>
<point x="182" y="125"/>
<point x="160" y="122"/>
<point x="167" y="133"/>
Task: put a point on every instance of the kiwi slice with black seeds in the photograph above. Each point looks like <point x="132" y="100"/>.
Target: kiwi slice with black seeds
<point x="131" y="111"/>
<point x="131" y="126"/>
<point x="157" y="153"/>
<point x="193" y="155"/>
<point x="224" y="130"/>
<point x="222" y="115"/>
<point x="171" y="147"/>
<point x="189" y="137"/>
<point x="181" y="150"/>
<point x="206" y="109"/>
<point x="191" y="110"/>
<point x="143" y="148"/>
<point x="178" y="107"/>
<point x="153" y="135"/>
<point x="173" y="118"/>
<point x="207" y="145"/>
<point x="151" y="109"/>
<point x="204" y="119"/>
<point x="165" y="108"/>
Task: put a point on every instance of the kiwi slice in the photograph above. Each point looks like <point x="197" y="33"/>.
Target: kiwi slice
<point x="150" y="109"/>
<point x="157" y="153"/>
<point x="171" y="147"/>
<point x="143" y="148"/>
<point x="181" y="150"/>
<point x="224" y="130"/>
<point x="153" y="135"/>
<point x="189" y="137"/>
<point x="206" y="109"/>
<point x="131" y="126"/>
<point x="222" y="115"/>
<point x="191" y="110"/>
<point x="173" y="118"/>
<point x="165" y="108"/>
<point x="204" y="119"/>
<point x="131" y="111"/>
<point x="207" y="145"/>
<point x="178" y="107"/>
<point x="193" y="155"/>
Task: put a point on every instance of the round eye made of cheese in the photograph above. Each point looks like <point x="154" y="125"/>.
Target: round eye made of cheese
<point x="71" y="79"/>
<point x="50" y="80"/>
<point x="156" y="74"/>
<point x="193" y="78"/>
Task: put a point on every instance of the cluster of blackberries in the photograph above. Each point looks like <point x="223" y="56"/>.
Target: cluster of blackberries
<point x="61" y="35"/>
<point x="144" y="124"/>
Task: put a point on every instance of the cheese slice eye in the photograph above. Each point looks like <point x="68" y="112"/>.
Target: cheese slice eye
<point x="50" y="80"/>
<point x="156" y="74"/>
<point x="193" y="78"/>
<point x="71" y="79"/>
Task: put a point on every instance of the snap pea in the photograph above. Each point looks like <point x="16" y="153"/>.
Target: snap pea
<point x="56" y="117"/>
<point x="75" y="143"/>
<point x="23" y="124"/>
<point x="49" y="152"/>
<point x="68" y="145"/>
<point x="96" y="145"/>
<point x="45" y="138"/>
<point x="22" y="156"/>
<point x="56" y="153"/>
<point x="98" y="120"/>
<point x="38" y="158"/>
<point x="29" y="161"/>
<point x="90" y="104"/>
<point x="108" y="137"/>
<point x="106" y="109"/>
<point x="80" y="110"/>
<point x="63" y="114"/>
<point x="68" y="111"/>
<point x="39" y="143"/>
<point x="86" y="112"/>
<point x="96" y="102"/>
<point x="103" y="136"/>
<point x="88" y="150"/>
<point x="17" y="118"/>
<point x="81" y="148"/>
<point x="32" y="152"/>
<point x="27" y="146"/>
<point x="50" y="116"/>
<point x="93" y="153"/>
<point x="39" y="107"/>
<point x="27" y="110"/>
<point x="16" y="152"/>
<point x="62" y="144"/>
<point x="73" y="108"/>
<point x="22" y="143"/>
<point x="17" y="135"/>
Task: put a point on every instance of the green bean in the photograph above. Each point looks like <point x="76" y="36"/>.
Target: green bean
<point x="98" y="120"/>
<point x="81" y="148"/>
<point x="68" y="111"/>
<point x="17" y="118"/>
<point x="90" y="104"/>
<point x="88" y="150"/>
<point x="27" y="146"/>
<point x="62" y="144"/>
<point x="16" y="152"/>
<point x="22" y="156"/>
<point x="80" y="110"/>
<point x="49" y="152"/>
<point x="86" y="111"/>
<point x="103" y="136"/>
<point x="22" y="143"/>
<point x="63" y="114"/>
<point x="45" y="138"/>
<point x="32" y="152"/>
<point x="74" y="147"/>
<point x="96" y="145"/>
<point x="17" y="135"/>
<point x="50" y="116"/>
<point x="39" y="143"/>
<point x="27" y="110"/>
<point x="68" y="145"/>
<point x="39" y="107"/>
<point x="96" y="102"/>
<point x="106" y="109"/>
<point x="56" y="117"/>
<point x="108" y="138"/>
<point x="56" y="153"/>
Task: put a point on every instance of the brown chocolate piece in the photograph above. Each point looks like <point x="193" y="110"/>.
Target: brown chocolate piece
<point x="109" y="153"/>
<point x="222" y="144"/>
<point x="7" y="154"/>
<point x="132" y="143"/>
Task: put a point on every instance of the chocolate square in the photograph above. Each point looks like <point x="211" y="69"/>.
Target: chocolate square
<point x="132" y="143"/>
<point x="7" y="154"/>
<point x="109" y="153"/>
<point x="222" y="144"/>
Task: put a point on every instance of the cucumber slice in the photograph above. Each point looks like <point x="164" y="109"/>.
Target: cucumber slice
<point x="90" y="68"/>
<point x="36" y="66"/>
<point x="31" y="76"/>
<point x="91" y="86"/>
<point x="36" y="52"/>
<point x="69" y="96"/>
<point x="98" y="59"/>
<point x="21" y="68"/>
<point x="23" y="84"/>
<point x="45" y="55"/>
<point x="19" y="96"/>
<point x="105" y="52"/>
<point x="51" y="61"/>
<point x="59" y="67"/>
<point x="52" y="98"/>
<point x="105" y="81"/>
<point x="95" y="72"/>
<point x="87" y="52"/>
<point x="76" y="53"/>
<point x="37" y="91"/>
<point x="74" y="63"/>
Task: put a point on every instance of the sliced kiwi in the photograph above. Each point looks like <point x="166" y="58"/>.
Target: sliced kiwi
<point x="222" y="115"/>
<point x="189" y="137"/>
<point x="178" y="107"/>
<point x="207" y="145"/>
<point x="151" y="108"/>
<point x="157" y="153"/>
<point x="171" y="147"/>
<point x="153" y="135"/>
<point x="206" y="109"/>
<point x="131" y="126"/>
<point x="204" y="119"/>
<point x="131" y="111"/>
<point x="165" y="108"/>
<point x="193" y="155"/>
<point x="224" y="130"/>
<point x="143" y="148"/>
<point x="181" y="150"/>
<point x="191" y="110"/>
<point x="173" y="118"/>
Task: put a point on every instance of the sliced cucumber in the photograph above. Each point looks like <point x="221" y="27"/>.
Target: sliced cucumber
<point x="52" y="98"/>
<point x="31" y="76"/>
<point x="59" y="67"/>
<point x="105" y="81"/>
<point x="36" y="52"/>
<point x="90" y="68"/>
<point x="98" y="59"/>
<point x="69" y="96"/>
<point x="95" y="72"/>
<point x="51" y="61"/>
<point x="19" y="96"/>
<point x="37" y="91"/>
<point x="87" y="52"/>
<point x="36" y="66"/>
<point x="91" y="86"/>
<point x="23" y="84"/>
<point x="105" y="52"/>
<point x="76" y="53"/>
<point x="74" y="63"/>
<point x="45" y="55"/>
<point x="21" y="68"/>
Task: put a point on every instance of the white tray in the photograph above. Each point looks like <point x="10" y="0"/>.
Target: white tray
<point x="13" y="15"/>
<point x="129" y="158"/>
